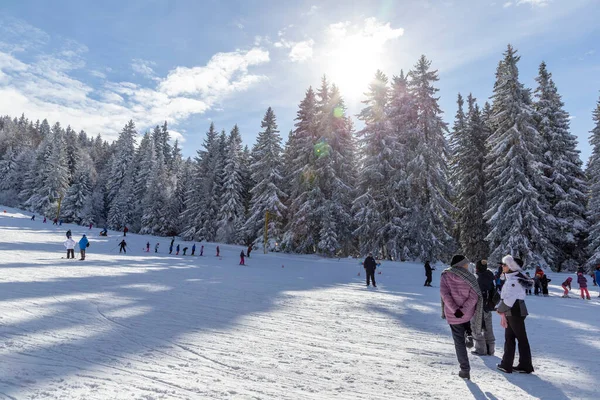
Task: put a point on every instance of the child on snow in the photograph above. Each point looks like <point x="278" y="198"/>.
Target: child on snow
<point x="184" y="250"/>
<point x="123" y="246"/>
<point x="177" y="250"/>
<point x="544" y="282"/>
<point x="70" y="246"/>
<point x="218" y="251"/>
<point x="582" y="281"/>
<point x="147" y="247"/>
<point x="242" y="255"/>
<point x="202" y="250"/>
<point x="156" y="248"/>
<point x="566" y="284"/>
<point x="193" y="248"/>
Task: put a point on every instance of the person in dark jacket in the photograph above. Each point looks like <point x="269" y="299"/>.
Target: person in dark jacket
<point x="177" y="250"/>
<point x="428" y="273"/>
<point x="242" y="255"/>
<point x="125" y="230"/>
<point x="69" y="234"/>
<point x="513" y="311"/>
<point x="248" y="251"/>
<point x="370" y="266"/>
<point x="218" y="251"/>
<point x="485" y="342"/>
<point x="566" y="284"/>
<point x="184" y="250"/>
<point x="194" y="249"/>
<point x="544" y="281"/>
<point x="147" y="247"/>
<point x="33" y="217"/>
<point x="123" y="246"/>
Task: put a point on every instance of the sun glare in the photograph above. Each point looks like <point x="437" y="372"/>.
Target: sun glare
<point x="353" y="65"/>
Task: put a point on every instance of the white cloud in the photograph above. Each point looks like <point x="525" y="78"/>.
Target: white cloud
<point x="507" y="4"/>
<point x="302" y="51"/>
<point x="143" y="68"/>
<point x="44" y="85"/>
<point x="534" y="3"/>
<point x="175" y="135"/>
<point x="98" y="74"/>
<point x="224" y="72"/>
<point x="312" y="11"/>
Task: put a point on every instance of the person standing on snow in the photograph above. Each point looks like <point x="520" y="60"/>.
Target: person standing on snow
<point x="193" y="248"/>
<point x="184" y="250"/>
<point x="177" y="250"/>
<point x="147" y="247"/>
<point x="44" y="221"/>
<point x="428" y="273"/>
<point x="461" y="302"/>
<point x="125" y="230"/>
<point x="597" y="274"/>
<point x="70" y="246"/>
<point x="513" y="311"/>
<point x="242" y="261"/>
<point x="123" y="246"/>
<point x="156" y="247"/>
<point x="202" y="250"/>
<point x="218" y="251"/>
<point x="485" y="343"/>
<point x="370" y="265"/>
<point x="582" y="281"/>
<point x="33" y="217"/>
<point x="248" y="251"/>
<point x="83" y="245"/>
<point x="171" y="248"/>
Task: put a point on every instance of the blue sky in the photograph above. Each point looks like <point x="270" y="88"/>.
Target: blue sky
<point x="96" y="64"/>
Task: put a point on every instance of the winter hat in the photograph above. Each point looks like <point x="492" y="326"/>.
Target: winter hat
<point x="481" y="266"/>
<point x="84" y="235"/>
<point x="458" y="260"/>
<point x="514" y="264"/>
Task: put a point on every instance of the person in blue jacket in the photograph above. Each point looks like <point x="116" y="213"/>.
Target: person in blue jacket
<point x="597" y="273"/>
<point x="83" y="245"/>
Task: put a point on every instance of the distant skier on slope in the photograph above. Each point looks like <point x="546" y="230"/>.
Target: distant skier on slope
<point x="194" y="249"/>
<point x="218" y="251"/>
<point x="70" y="246"/>
<point x="242" y="255"/>
<point x="147" y="247"/>
<point x="184" y="250"/>
<point x="125" y="230"/>
<point x="202" y="250"/>
<point x="83" y="245"/>
<point x="428" y="273"/>
<point x="370" y="265"/>
<point x="123" y="246"/>
<point x="249" y="250"/>
<point x="177" y="250"/>
<point x="156" y="247"/>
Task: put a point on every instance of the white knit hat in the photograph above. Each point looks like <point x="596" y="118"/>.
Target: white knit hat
<point x="512" y="264"/>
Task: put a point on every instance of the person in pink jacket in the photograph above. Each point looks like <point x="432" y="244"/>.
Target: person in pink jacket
<point x="462" y="307"/>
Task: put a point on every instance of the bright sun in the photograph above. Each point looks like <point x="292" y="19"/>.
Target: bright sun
<point x="352" y="66"/>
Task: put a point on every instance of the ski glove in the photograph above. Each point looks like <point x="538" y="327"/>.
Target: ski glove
<point x="458" y="313"/>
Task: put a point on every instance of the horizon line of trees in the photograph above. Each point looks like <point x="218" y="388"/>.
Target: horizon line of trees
<point x="506" y="178"/>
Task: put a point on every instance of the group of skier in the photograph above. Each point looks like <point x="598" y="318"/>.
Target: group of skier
<point x="70" y="246"/>
<point x="468" y="301"/>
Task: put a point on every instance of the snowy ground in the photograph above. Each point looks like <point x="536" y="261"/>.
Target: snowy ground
<point x="146" y="326"/>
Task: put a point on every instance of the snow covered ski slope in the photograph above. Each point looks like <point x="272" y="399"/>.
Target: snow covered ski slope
<point x="159" y="326"/>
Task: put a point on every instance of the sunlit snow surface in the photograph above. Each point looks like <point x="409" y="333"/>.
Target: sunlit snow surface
<point x="154" y="326"/>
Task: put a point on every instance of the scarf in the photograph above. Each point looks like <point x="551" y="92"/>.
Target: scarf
<point x="472" y="281"/>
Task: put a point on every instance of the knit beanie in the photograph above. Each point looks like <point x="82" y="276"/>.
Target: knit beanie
<point x="514" y="264"/>
<point x="458" y="260"/>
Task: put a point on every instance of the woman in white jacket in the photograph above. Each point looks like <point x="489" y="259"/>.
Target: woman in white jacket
<point x="70" y="246"/>
<point x="513" y="311"/>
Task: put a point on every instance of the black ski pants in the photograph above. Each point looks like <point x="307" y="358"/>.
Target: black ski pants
<point x="516" y="332"/>
<point x="428" y="280"/>
<point x="370" y="276"/>
<point x="460" y="345"/>
<point x="122" y="248"/>
<point x="70" y="253"/>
